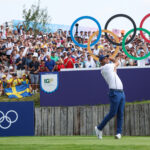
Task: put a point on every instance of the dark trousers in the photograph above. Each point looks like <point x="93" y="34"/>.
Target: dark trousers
<point x="117" y="104"/>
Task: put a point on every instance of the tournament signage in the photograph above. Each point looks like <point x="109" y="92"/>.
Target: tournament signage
<point x="16" y="119"/>
<point x="49" y="82"/>
<point x="87" y="87"/>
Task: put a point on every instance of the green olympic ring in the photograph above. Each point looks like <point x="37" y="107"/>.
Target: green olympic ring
<point x="123" y="44"/>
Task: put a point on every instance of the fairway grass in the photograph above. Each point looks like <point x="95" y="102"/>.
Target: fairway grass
<point x="36" y="99"/>
<point x="74" y="143"/>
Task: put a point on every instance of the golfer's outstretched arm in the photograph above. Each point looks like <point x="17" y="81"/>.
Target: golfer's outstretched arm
<point x="115" y="61"/>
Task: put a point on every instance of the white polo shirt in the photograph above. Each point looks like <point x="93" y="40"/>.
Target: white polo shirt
<point x="111" y="77"/>
<point x="90" y="64"/>
<point x="141" y="63"/>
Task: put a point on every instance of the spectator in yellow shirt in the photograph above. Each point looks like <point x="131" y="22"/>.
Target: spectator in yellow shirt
<point x="3" y="84"/>
<point x="25" y="80"/>
<point x="14" y="81"/>
<point x="44" y="45"/>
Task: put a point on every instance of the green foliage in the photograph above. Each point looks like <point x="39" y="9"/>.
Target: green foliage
<point x="36" y="16"/>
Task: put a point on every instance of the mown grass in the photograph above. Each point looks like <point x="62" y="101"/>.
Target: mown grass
<point x="36" y="99"/>
<point x="74" y="143"/>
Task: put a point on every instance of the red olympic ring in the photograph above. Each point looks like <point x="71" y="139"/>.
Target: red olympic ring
<point x="141" y="24"/>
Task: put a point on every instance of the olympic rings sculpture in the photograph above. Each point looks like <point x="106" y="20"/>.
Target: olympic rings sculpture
<point x="7" y="118"/>
<point x="106" y="31"/>
<point x="98" y="33"/>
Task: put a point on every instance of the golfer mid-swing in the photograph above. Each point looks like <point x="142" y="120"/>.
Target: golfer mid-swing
<point x="116" y="95"/>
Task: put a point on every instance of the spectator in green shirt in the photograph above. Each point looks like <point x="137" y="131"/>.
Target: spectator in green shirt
<point x="54" y="57"/>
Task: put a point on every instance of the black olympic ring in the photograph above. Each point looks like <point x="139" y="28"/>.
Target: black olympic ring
<point x="120" y="15"/>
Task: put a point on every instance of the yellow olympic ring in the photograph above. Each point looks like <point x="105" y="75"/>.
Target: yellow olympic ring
<point x="96" y="33"/>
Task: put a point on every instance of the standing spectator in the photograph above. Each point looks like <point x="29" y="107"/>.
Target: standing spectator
<point x="81" y="35"/>
<point x="60" y="65"/>
<point x="34" y="68"/>
<point x="50" y="64"/>
<point x="77" y="63"/>
<point x="82" y="62"/>
<point x="45" y="51"/>
<point x="65" y="55"/>
<point x="20" y="63"/>
<point x="148" y="59"/>
<point x="9" y="47"/>
<point x="8" y="75"/>
<point x="43" y="67"/>
<point x="69" y="62"/>
<point x="90" y="63"/>
<point x="141" y="63"/>
<point x="96" y="50"/>
<point x="122" y="60"/>
<point x="20" y="29"/>
<point x="128" y="62"/>
<point x="14" y="55"/>
<point x="54" y="57"/>
<point x="140" y="52"/>
<point x="1" y="71"/>
<point x="3" y="32"/>
<point x="2" y="48"/>
<point x="27" y="63"/>
<point x="85" y="35"/>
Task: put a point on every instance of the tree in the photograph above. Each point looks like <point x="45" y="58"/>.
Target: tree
<point x="36" y="17"/>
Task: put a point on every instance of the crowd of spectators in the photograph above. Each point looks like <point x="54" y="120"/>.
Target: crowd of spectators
<point x="23" y="54"/>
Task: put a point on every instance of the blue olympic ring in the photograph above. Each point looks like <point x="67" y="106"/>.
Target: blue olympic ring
<point x="80" y="18"/>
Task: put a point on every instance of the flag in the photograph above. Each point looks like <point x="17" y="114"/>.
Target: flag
<point x="18" y="91"/>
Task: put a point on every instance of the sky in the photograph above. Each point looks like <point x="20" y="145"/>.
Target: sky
<point x="66" y="11"/>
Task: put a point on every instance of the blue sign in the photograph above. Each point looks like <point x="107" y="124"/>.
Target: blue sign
<point x="16" y="118"/>
<point x="87" y="87"/>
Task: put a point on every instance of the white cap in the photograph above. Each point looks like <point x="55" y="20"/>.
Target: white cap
<point x="22" y="46"/>
<point x="10" y="67"/>
<point x="112" y="51"/>
<point x="9" y="36"/>
<point x="142" y="51"/>
<point x="35" y="55"/>
<point x="38" y="42"/>
<point x="39" y="36"/>
<point x="130" y="45"/>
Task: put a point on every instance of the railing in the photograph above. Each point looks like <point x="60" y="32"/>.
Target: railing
<point x="78" y="69"/>
<point x="81" y="120"/>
